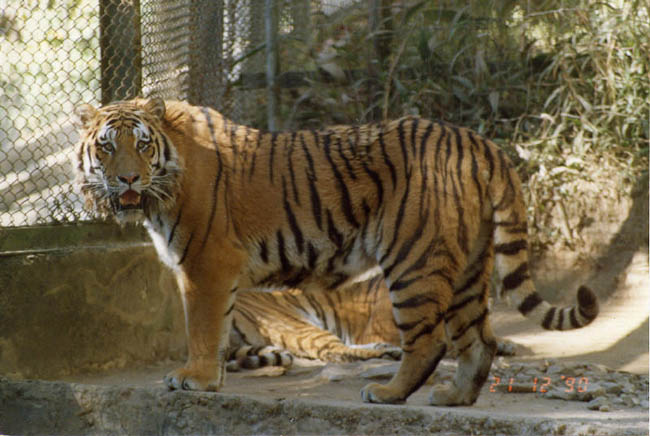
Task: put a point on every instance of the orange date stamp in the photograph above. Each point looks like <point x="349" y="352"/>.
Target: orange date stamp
<point x="539" y="384"/>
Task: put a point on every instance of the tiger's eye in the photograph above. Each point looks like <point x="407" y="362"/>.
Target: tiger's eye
<point x="142" y="147"/>
<point x="107" y="147"/>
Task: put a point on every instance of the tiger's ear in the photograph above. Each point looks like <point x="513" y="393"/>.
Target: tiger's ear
<point x="85" y="113"/>
<point x="156" y="107"/>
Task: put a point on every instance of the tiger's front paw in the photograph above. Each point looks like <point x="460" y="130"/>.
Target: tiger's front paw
<point x="193" y="380"/>
<point x="376" y="393"/>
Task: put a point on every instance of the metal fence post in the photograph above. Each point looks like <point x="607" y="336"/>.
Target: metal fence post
<point x="271" y="32"/>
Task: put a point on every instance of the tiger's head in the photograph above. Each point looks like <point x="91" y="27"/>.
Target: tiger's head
<point x="126" y="165"/>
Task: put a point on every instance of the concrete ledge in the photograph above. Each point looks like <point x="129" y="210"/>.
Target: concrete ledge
<point x="16" y="241"/>
<point x="84" y="298"/>
<point x="31" y="407"/>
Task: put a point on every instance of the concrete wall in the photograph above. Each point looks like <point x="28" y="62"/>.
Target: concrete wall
<point x="83" y="298"/>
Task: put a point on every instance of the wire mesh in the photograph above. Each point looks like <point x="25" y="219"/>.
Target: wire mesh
<point x="48" y="61"/>
<point x="57" y="55"/>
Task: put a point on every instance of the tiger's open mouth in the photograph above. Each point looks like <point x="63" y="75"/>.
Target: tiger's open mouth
<point x="129" y="199"/>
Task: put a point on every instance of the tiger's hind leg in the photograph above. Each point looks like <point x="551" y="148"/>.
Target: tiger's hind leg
<point x="380" y="350"/>
<point x="469" y="331"/>
<point x="312" y="342"/>
<point x="419" y="315"/>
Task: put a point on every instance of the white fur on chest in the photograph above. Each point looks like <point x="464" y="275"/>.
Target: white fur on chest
<point x="168" y="252"/>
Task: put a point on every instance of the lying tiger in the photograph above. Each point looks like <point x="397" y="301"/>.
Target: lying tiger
<point x="232" y="208"/>
<point x="341" y="325"/>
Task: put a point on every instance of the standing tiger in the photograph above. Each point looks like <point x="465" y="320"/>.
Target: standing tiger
<point x="229" y="207"/>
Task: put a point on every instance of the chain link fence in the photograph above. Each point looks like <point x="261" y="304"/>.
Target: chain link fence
<point x="48" y="63"/>
<point x="57" y="55"/>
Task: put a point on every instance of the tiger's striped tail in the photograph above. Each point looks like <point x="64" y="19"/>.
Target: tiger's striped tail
<point x="511" y="258"/>
<point x="250" y="357"/>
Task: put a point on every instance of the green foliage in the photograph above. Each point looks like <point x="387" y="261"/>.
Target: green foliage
<point x="589" y="121"/>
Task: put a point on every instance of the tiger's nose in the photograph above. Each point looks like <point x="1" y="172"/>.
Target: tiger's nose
<point x="129" y="179"/>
